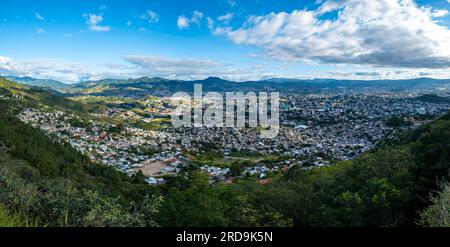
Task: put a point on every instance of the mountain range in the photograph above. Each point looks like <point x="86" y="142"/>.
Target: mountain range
<point x="38" y="82"/>
<point x="157" y="86"/>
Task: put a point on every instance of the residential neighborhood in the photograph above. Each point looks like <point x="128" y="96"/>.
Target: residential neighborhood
<point x="315" y="130"/>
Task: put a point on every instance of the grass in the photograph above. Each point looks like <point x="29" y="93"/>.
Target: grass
<point x="8" y="219"/>
<point x="210" y="158"/>
<point x="254" y="157"/>
<point x="216" y="158"/>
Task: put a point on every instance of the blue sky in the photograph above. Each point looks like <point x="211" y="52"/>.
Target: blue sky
<point x="235" y="39"/>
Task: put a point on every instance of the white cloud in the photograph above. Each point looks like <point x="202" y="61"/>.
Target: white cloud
<point x="4" y="60"/>
<point x="226" y="18"/>
<point x="386" y="33"/>
<point x="197" y="16"/>
<point x="221" y="26"/>
<point x="193" y="69"/>
<point x="5" y="63"/>
<point x="58" y="69"/>
<point x="188" y="69"/>
<point x="93" y="21"/>
<point x="440" y="13"/>
<point x="39" y="17"/>
<point x="150" y="16"/>
<point x="383" y="74"/>
<point x="40" y="31"/>
<point x="164" y="66"/>
<point x="134" y="66"/>
<point x="183" y="22"/>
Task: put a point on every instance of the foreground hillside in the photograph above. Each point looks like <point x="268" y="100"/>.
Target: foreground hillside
<point x="53" y="184"/>
<point x="47" y="183"/>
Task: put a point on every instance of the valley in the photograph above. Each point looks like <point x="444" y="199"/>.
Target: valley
<point x="320" y="132"/>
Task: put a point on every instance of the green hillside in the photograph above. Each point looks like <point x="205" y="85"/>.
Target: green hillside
<point x="30" y="96"/>
<point x="55" y="185"/>
<point x="38" y="82"/>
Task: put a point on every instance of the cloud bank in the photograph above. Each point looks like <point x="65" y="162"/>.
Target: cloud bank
<point x="382" y="33"/>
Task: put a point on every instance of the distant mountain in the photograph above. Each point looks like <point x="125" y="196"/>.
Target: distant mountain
<point x="163" y="87"/>
<point x="57" y="85"/>
<point x="136" y="87"/>
<point x="34" y="96"/>
<point x="109" y="81"/>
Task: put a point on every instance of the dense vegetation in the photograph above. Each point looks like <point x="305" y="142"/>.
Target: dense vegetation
<point x="438" y="214"/>
<point x="396" y="121"/>
<point x="432" y="98"/>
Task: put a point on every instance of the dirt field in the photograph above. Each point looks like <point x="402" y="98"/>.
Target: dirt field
<point x="151" y="168"/>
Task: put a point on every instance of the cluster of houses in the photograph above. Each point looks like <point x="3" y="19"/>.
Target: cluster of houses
<point x="126" y="150"/>
<point x="216" y="173"/>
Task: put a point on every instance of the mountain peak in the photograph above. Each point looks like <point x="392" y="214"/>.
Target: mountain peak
<point x="213" y="79"/>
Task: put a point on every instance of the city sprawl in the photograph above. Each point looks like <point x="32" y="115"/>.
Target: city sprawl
<point x="317" y="129"/>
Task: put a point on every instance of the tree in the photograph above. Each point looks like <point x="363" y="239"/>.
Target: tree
<point x="438" y="213"/>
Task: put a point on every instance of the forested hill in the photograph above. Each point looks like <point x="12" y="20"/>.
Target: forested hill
<point x="38" y="96"/>
<point x="38" y="82"/>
